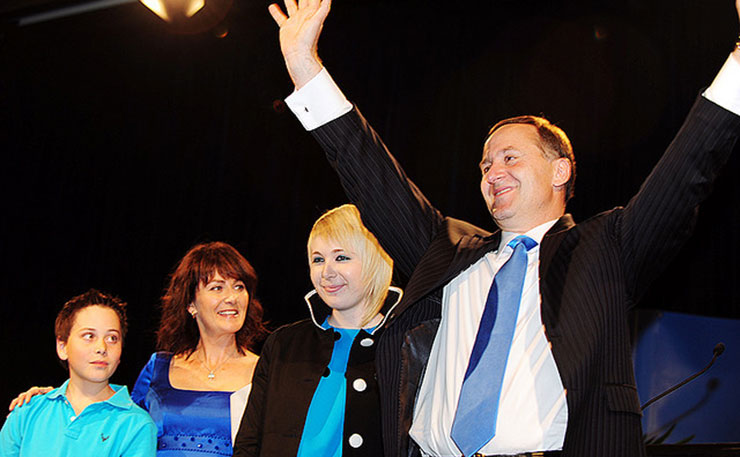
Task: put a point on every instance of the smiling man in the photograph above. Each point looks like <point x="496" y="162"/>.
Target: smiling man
<point x="513" y="342"/>
<point x="528" y="173"/>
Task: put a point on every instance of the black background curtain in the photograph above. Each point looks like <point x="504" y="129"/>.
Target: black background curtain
<point x="123" y="144"/>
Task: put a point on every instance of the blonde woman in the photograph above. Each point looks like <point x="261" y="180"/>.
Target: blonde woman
<point x="314" y="390"/>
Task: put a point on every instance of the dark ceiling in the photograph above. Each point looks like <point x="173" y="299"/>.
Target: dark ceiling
<point x="9" y="6"/>
<point x="17" y="7"/>
<point x="11" y="11"/>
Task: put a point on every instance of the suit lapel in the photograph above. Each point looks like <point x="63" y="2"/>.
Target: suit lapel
<point x="551" y="242"/>
<point x="460" y="245"/>
<point x="554" y="260"/>
<point x="457" y="247"/>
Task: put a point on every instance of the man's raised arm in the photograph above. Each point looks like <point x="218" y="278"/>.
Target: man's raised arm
<point x="392" y="207"/>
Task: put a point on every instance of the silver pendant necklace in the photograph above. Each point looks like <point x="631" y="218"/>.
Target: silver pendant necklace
<point x="212" y="371"/>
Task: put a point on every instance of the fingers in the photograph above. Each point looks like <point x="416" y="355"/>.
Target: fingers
<point x="26" y="396"/>
<point x="326" y="6"/>
<point x="313" y="4"/>
<point x="21" y="399"/>
<point x="290" y="7"/>
<point x="277" y="14"/>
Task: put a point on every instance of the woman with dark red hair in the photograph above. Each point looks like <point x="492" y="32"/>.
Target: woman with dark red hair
<point x="196" y="386"/>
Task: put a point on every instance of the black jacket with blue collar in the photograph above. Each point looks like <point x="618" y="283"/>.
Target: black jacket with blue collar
<point x="292" y="362"/>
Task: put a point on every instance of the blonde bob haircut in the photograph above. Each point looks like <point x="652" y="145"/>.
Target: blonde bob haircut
<point x="343" y="225"/>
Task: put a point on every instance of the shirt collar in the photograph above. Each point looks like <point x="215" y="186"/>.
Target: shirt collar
<point x="60" y="391"/>
<point x="120" y="399"/>
<point x="326" y="326"/>
<point x="536" y="234"/>
<point x="320" y="311"/>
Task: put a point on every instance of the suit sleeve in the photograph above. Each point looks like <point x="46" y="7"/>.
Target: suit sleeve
<point x="661" y="216"/>
<point x="392" y="207"/>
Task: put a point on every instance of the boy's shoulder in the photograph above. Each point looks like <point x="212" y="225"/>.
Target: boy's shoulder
<point x="125" y="405"/>
<point x="41" y="401"/>
<point x="40" y="408"/>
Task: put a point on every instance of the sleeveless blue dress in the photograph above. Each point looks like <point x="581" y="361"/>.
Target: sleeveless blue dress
<point x="190" y="423"/>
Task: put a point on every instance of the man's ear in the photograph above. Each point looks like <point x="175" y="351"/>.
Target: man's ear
<point x="62" y="349"/>
<point x="561" y="171"/>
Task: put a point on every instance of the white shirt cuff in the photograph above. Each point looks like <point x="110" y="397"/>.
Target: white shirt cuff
<point x="318" y="102"/>
<point x="725" y="89"/>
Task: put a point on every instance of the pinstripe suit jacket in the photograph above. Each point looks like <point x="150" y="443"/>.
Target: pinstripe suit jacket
<point x="591" y="274"/>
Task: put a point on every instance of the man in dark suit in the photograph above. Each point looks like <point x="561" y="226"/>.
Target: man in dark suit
<point x="568" y="384"/>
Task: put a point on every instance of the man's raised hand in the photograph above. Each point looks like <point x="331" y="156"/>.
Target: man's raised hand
<point x="300" y="29"/>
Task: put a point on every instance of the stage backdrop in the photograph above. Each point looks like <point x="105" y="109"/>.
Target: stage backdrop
<point x="123" y="144"/>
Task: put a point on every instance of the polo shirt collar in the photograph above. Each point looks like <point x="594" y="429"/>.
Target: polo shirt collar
<point x="120" y="399"/>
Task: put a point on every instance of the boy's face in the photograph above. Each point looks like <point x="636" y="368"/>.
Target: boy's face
<point x="93" y="349"/>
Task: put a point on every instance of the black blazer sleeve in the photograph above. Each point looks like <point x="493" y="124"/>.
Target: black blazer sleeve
<point x="392" y="207"/>
<point x="661" y="216"/>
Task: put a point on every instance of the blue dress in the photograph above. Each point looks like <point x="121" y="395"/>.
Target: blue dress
<point x="190" y="423"/>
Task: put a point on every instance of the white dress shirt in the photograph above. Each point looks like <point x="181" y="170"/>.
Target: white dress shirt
<point x="533" y="411"/>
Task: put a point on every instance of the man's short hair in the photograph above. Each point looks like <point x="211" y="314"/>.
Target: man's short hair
<point x="553" y="142"/>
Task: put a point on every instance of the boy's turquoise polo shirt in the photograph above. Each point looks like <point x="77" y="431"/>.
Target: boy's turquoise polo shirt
<point x="48" y="426"/>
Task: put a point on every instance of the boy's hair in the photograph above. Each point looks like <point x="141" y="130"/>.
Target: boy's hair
<point x="66" y="317"/>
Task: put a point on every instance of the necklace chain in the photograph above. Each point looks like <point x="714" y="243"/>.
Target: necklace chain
<point x="212" y="371"/>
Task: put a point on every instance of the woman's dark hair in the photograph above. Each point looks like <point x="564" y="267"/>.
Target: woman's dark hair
<point x="178" y="332"/>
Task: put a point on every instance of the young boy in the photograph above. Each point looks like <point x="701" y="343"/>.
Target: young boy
<point x="86" y="415"/>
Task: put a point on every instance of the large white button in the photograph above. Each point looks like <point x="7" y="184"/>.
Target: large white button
<point x="359" y="385"/>
<point x="355" y="440"/>
<point x="366" y="342"/>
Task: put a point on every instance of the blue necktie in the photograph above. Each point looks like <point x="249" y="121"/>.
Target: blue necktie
<point x="477" y="409"/>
